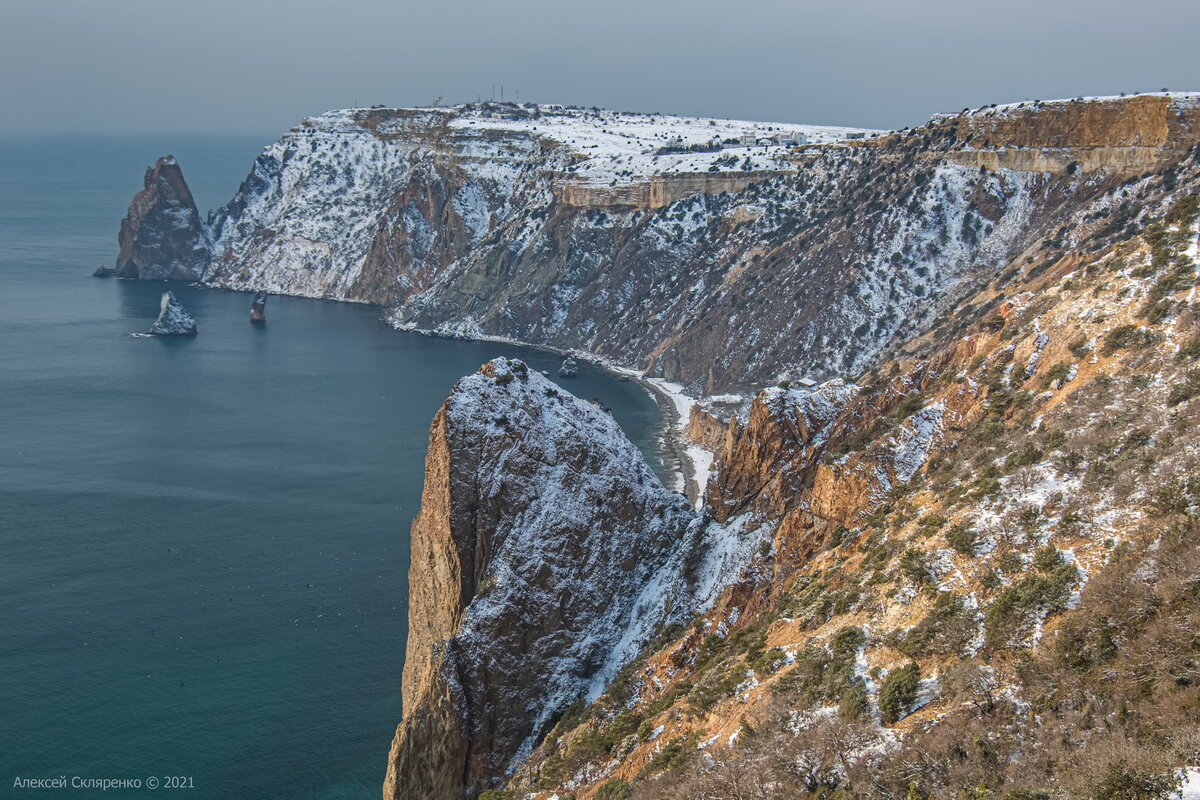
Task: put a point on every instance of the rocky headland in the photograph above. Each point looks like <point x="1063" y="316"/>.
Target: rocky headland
<point x="937" y="385"/>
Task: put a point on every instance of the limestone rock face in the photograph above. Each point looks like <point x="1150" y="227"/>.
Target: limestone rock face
<point x="162" y="236"/>
<point x="534" y="556"/>
<point x="769" y="457"/>
<point x="173" y="318"/>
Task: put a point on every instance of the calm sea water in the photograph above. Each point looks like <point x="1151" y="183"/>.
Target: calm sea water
<point x="205" y="541"/>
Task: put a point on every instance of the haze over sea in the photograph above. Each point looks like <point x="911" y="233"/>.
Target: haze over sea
<point x="205" y="540"/>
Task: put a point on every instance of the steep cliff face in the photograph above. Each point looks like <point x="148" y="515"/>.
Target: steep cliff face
<point x="982" y="542"/>
<point x="162" y="236"/>
<point x="665" y="245"/>
<point x="545" y="553"/>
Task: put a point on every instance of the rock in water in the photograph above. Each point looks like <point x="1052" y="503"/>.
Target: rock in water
<point x="162" y="236"/>
<point x="541" y="533"/>
<point x="258" y="309"/>
<point x="173" y="318"/>
<point x="569" y="368"/>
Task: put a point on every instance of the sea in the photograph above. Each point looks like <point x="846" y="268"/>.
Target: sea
<point x="204" y="541"/>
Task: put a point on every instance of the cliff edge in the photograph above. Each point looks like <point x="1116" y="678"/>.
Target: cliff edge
<point x="540" y="527"/>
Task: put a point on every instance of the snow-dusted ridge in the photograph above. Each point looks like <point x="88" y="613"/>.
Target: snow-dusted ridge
<point x="1179" y="99"/>
<point x="559" y="552"/>
<point x="622" y="146"/>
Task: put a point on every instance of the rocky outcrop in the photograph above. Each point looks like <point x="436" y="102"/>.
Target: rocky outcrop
<point x="173" y="318"/>
<point x="162" y="236"/>
<point x="767" y="459"/>
<point x="258" y="309"/>
<point x="539" y="531"/>
<point x="1162" y="121"/>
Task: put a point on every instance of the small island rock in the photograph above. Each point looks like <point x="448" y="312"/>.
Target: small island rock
<point x="258" y="309"/>
<point x="173" y="318"/>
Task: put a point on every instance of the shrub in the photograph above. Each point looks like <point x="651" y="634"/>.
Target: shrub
<point x="947" y="628"/>
<point x="914" y="565"/>
<point x="621" y="726"/>
<point x="986" y="487"/>
<point x="1176" y="497"/>
<point x="612" y="789"/>
<point x="1079" y="346"/>
<point x="713" y="690"/>
<point x="1058" y="372"/>
<point x="504" y="378"/>
<point x="551" y="771"/>
<point x="497" y="794"/>
<point x="1190" y="348"/>
<point x="855" y="703"/>
<point x="1047" y="559"/>
<point x="931" y="523"/>
<point x="672" y="753"/>
<point x="911" y="403"/>
<point x="847" y="642"/>
<point x="804" y="679"/>
<point x="767" y="661"/>
<point x="1083" y="642"/>
<point x="1055" y="440"/>
<point x="1013" y="608"/>
<point x="1185" y="390"/>
<point x="1155" y="311"/>
<point x="1124" y="782"/>
<point x="898" y="693"/>
<point x="1184" y="211"/>
<point x="962" y="538"/>
<point x="993" y="323"/>
<point x="1122" y="337"/>
<point x="1024" y="458"/>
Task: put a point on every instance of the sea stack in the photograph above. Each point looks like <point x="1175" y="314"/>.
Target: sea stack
<point x="258" y="309"/>
<point x="173" y="318"/>
<point x="162" y="236"/>
<point x="569" y="368"/>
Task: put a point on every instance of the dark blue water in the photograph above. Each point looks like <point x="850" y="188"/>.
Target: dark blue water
<point x="205" y="541"/>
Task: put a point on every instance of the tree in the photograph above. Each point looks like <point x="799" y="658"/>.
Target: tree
<point x="899" y="692"/>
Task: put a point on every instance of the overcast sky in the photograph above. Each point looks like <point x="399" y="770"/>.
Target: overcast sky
<point x="258" y="66"/>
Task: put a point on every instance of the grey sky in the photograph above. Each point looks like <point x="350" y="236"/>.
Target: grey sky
<point x="258" y="66"/>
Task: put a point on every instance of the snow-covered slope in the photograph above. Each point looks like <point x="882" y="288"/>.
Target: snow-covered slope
<point x="545" y="554"/>
<point x="698" y="251"/>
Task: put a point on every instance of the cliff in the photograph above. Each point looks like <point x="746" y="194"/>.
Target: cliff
<point x="545" y="553"/>
<point x="980" y="542"/>
<point x="962" y="566"/>
<point x="162" y="236"/>
<point x="663" y="244"/>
